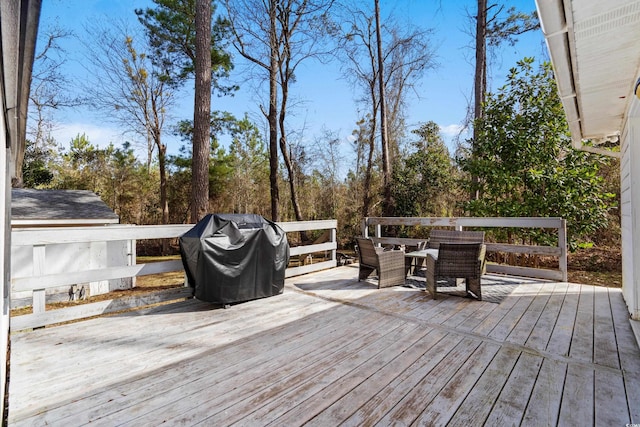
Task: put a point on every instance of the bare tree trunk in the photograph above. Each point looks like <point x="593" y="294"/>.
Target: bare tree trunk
<point x="287" y="159"/>
<point x="366" y="190"/>
<point x="285" y="74"/>
<point x="386" y="160"/>
<point x="164" y="203"/>
<point x="288" y="163"/>
<point x="480" y="80"/>
<point x="272" y="117"/>
<point x="201" y="112"/>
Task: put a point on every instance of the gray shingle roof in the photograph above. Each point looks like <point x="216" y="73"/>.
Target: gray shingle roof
<point x="29" y="204"/>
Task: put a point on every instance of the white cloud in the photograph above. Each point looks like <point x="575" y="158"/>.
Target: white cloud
<point x="451" y="130"/>
<point x="99" y="136"/>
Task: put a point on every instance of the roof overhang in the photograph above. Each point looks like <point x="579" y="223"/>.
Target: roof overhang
<point x="18" y="31"/>
<point x="594" y="51"/>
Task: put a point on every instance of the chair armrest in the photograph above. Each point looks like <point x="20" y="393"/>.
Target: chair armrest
<point x="481" y="258"/>
<point x="391" y="259"/>
<point x="431" y="263"/>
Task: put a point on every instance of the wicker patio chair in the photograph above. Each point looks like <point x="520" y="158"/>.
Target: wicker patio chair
<point x="388" y="263"/>
<point x="455" y="236"/>
<point x="456" y="261"/>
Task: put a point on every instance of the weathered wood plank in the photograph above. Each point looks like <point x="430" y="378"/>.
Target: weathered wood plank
<point x="470" y="313"/>
<point x="440" y="410"/>
<point x="447" y="353"/>
<point x="191" y="352"/>
<point x="490" y="322"/>
<point x="446" y="311"/>
<point x="170" y="339"/>
<point x="539" y="273"/>
<point x="475" y="408"/>
<point x="626" y="344"/>
<point x="524" y="249"/>
<point x="582" y="339"/>
<point x="282" y="400"/>
<point x="358" y="396"/>
<point x="265" y="386"/>
<point x="576" y="407"/>
<point x="610" y="399"/>
<point x="628" y="351"/>
<point x="605" y="351"/>
<point x="44" y="236"/>
<point x="549" y="222"/>
<point x="397" y="241"/>
<point x="297" y="271"/>
<point x="510" y="406"/>
<point x="486" y="311"/>
<point x="244" y="359"/>
<point x="309" y="249"/>
<point x="541" y="333"/>
<point x="432" y="307"/>
<point x="522" y="330"/>
<point x="293" y="226"/>
<point x="544" y="404"/>
<point x="324" y="396"/>
<point x="560" y="340"/>
<point x="502" y="330"/>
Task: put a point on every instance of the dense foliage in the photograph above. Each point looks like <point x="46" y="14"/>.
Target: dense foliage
<point x="424" y="176"/>
<point x="524" y="162"/>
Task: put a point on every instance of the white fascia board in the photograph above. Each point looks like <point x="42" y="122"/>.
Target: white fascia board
<point x="60" y="222"/>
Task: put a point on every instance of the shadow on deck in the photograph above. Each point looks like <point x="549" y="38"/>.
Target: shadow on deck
<point x="333" y="350"/>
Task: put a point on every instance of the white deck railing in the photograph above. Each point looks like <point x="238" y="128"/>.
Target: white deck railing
<point x="39" y="238"/>
<point x="459" y="223"/>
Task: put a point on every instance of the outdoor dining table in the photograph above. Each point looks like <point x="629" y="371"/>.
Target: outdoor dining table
<point x="420" y="254"/>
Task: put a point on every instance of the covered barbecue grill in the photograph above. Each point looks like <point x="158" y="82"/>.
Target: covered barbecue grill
<point x="235" y="257"/>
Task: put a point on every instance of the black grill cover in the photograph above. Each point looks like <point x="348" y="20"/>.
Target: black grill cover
<point x="235" y="257"/>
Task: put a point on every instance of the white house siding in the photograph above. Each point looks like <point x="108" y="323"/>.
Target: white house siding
<point x="630" y="211"/>
<point x="5" y="248"/>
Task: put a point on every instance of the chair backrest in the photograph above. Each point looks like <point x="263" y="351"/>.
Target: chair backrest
<point x="459" y="260"/>
<point x="367" y="251"/>
<point x="453" y="236"/>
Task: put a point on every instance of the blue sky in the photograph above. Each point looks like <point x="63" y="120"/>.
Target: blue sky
<point x="326" y="101"/>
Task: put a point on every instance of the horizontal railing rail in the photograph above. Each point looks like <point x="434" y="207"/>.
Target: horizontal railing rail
<point x="460" y="223"/>
<point x="38" y="282"/>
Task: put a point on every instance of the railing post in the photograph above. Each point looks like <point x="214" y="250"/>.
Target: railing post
<point x="562" y="244"/>
<point x="38" y="303"/>
<point x="133" y="257"/>
<point x="334" y="238"/>
<point x="365" y="227"/>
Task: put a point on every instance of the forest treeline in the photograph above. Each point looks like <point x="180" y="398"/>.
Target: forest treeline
<point x="518" y="163"/>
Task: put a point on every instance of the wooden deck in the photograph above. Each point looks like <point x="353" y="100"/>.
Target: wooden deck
<point x="332" y="351"/>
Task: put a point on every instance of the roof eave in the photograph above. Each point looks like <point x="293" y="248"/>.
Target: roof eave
<point x="556" y="25"/>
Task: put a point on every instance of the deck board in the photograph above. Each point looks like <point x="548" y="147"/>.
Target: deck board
<point x="560" y="340"/>
<point x="582" y="339"/>
<point x="476" y="407"/>
<point x="544" y="403"/>
<point x="510" y="406"/>
<point x="541" y="333"/>
<point x="331" y="350"/>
